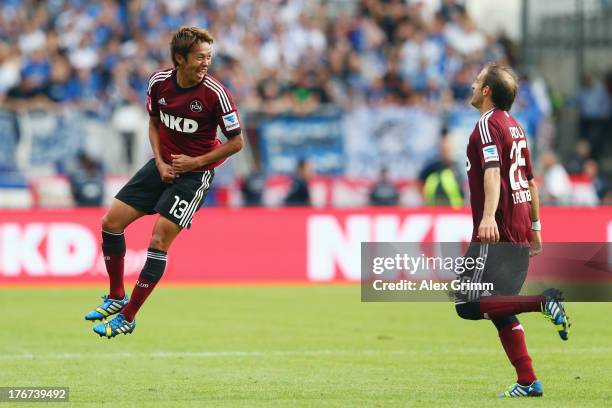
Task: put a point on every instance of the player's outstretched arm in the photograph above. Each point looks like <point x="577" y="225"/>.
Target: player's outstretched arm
<point x="183" y="164"/>
<point x="536" y="237"/>
<point x="487" y="230"/>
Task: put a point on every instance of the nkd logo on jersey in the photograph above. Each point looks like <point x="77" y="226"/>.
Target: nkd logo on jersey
<point x="174" y="123"/>
<point x="195" y="106"/>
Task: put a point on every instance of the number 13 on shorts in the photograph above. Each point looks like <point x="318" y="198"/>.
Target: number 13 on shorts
<point x="179" y="207"/>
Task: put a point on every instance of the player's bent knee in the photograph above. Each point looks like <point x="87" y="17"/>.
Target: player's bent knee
<point x="110" y="225"/>
<point x="158" y="241"/>
<point x="469" y="311"/>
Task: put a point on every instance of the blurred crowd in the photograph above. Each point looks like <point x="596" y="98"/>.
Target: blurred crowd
<point x="583" y="178"/>
<point x="277" y="57"/>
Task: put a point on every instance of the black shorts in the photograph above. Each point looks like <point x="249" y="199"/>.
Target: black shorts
<point x="178" y="201"/>
<point x="504" y="265"/>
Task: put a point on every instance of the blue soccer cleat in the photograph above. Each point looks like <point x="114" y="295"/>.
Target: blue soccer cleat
<point x="517" y="390"/>
<point x="554" y="311"/>
<point x="108" y="308"/>
<point x="115" y="326"/>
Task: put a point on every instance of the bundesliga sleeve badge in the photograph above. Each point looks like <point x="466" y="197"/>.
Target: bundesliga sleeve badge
<point x="490" y="153"/>
<point x="230" y="121"/>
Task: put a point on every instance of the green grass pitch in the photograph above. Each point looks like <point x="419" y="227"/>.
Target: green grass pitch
<point x="291" y="347"/>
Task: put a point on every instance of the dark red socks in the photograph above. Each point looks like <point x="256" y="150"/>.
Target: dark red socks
<point x="494" y="307"/>
<point x="113" y="248"/>
<point x="151" y="274"/>
<point x="512" y="337"/>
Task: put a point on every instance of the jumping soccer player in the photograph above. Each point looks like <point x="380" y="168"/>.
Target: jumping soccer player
<point x="185" y="105"/>
<point x="505" y="209"/>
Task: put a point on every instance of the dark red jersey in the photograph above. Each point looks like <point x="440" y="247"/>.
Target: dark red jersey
<point x="499" y="141"/>
<point x="189" y="116"/>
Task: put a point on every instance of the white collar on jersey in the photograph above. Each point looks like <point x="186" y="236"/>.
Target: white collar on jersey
<point x="490" y="110"/>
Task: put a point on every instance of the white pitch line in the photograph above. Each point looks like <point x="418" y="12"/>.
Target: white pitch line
<point x="194" y="354"/>
<point x="216" y="354"/>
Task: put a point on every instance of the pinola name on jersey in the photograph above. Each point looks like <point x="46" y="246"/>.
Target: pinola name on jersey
<point x="174" y="123"/>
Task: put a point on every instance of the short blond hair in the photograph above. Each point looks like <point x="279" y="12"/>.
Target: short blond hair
<point x="185" y="38"/>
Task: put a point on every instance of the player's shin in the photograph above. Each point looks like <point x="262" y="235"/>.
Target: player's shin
<point x="113" y="248"/>
<point x="149" y="276"/>
<point x="512" y="337"/>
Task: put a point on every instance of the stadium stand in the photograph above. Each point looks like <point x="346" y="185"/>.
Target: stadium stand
<point x="352" y="85"/>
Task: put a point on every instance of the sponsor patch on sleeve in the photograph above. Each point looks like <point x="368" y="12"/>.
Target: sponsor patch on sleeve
<point x="230" y="121"/>
<point x="490" y="153"/>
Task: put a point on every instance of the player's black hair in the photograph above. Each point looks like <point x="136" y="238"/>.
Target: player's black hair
<point x="185" y="38"/>
<point x="503" y="84"/>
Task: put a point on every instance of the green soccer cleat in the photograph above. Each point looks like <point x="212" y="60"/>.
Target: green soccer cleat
<point x="108" y="308"/>
<point x="517" y="390"/>
<point x="554" y="311"/>
<point x="115" y="326"/>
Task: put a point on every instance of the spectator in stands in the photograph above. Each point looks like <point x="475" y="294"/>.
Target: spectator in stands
<point x="299" y="191"/>
<point x="450" y="8"/>
<point x="461" y="86"/>
<point x="273" y="96"/>
<point x="384" y="192"/>
<point x="10" y="67"/>
<point x="557" y="188"/>
<point x="462" y="35"/>
<point x="595" y="109"/>
<point x="87" y="182"/>
<point x="252" y="188"/>
<point x="584" y="186"/>
<point x="61" y="86"/>
<point x="24" y="93"/>
<point x="600" y="184"/>
<point x="440" y="178"/>
<point x="582" y="153"/>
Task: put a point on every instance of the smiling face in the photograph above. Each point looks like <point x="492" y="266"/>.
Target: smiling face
<point x="193" y="68"/>
<point x="478" y="93"/>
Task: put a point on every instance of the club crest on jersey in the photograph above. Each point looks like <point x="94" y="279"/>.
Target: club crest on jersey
<point x="177" y="123"/>
<point x="195" y="106"/>
<point x="490" y="153"/>
<point x="231" y="121"/>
